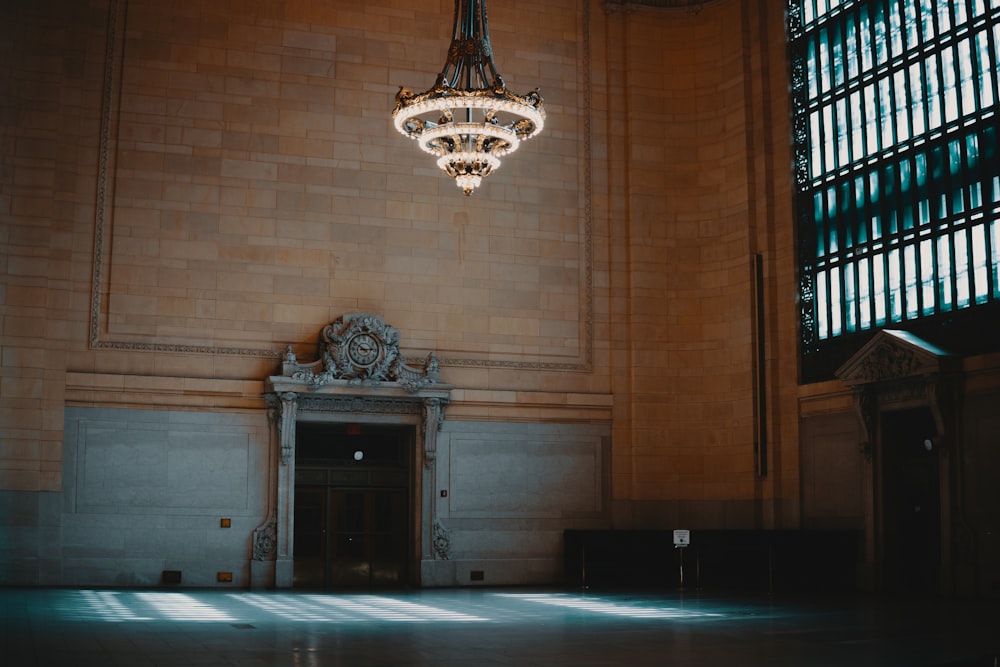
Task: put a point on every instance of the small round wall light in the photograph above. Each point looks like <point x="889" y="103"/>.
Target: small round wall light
<point x="358" y="455"/>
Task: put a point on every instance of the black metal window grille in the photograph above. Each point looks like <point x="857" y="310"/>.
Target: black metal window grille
<point x="897" y="162"/>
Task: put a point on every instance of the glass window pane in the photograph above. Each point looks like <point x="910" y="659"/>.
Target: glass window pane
<point x="912" y="28"/>
<point x="857" y="127"/>
<point x="980" y="271"/>
<point x="955" y="170"/>
<point x="967" y="83"/>
<point x="944" y="16"/>
<point x="962" y="291"/>
<point x="928" y="286"/>
<point x="933" y="92"/>
<point x="972" y="164"/>
<point x="927" y="19"/>
<point x="822" y="306"/>
<point x="944" y="272"/>
<point x="880" y="39"/>
<point x="871" y="113"/>
<point x="910" y="280"/>
<point x="948" y="81"/>
<point x="879" y="291"/>
<point x="895" y="286"/>
<point x="960" y="16"/>
<point x="829" y="137"/>
<point x="831" y="215"/>
<point x="837" y="51"/>
<point x="920" y="171"/>
<point x="812" y="66"/>
<point x="851" y="45"/>
<point x="819" y="209"/>
<point x="824" y="62"/>
<point x="996" y="52"/>
<point x="816" y="144"/>
<point x="864" y="294"/>
<point x="843" y="147"/>
<point x="923" y="212"/>
<point x="836" y="303"/>
<point x="902" y="117"/>
<point x="906" y="200"/>
<point x="886" y="111"/>
<point x="986" y="85"/>
<point x="850" y="299"/>
<point x="861" y="208"/>
<point x="995" y="254"/>
<point x="864" y="34"/>
<point x="917" y="99"/>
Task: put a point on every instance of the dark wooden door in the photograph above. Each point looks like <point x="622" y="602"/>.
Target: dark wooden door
<point x="350" y="538"/>
<point x="911" y="502"/>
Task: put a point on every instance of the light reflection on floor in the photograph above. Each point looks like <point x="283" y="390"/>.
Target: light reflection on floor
<point x="599" y="606"/>
<point x="122" y="606"/>
<point x="486" y="628"/>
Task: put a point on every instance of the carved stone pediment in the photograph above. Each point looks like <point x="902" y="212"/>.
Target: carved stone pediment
<point x="890" y="356"/>
<point x="360" y="348"/>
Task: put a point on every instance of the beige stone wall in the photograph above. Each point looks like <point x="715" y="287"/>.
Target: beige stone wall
<point x="703" y="123"/>
<point x="51" y="66"/>
<point x="188" y="188"/>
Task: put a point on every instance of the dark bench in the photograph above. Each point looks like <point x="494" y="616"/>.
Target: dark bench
<point x="759" y="560"/>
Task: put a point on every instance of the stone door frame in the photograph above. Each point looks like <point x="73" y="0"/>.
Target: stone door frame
<point x="894" y="371"/>
<point x="359" y="376"/>
<point x="292" y="402"/>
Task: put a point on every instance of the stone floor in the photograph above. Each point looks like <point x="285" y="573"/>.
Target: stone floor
<point x="486" y="628"/>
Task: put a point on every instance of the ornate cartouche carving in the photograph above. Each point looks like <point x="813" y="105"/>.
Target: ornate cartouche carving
<point x="361" y="349"/>
<point x="887" y="361"/>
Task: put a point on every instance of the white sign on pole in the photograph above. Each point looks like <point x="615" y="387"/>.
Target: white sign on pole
<point x="682" y="538"/>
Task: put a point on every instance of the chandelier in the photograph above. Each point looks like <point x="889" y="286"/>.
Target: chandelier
<point x="469" y="120"/>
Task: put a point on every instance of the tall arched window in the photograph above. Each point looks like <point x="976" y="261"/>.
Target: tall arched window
<point x="897" y="172"/>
